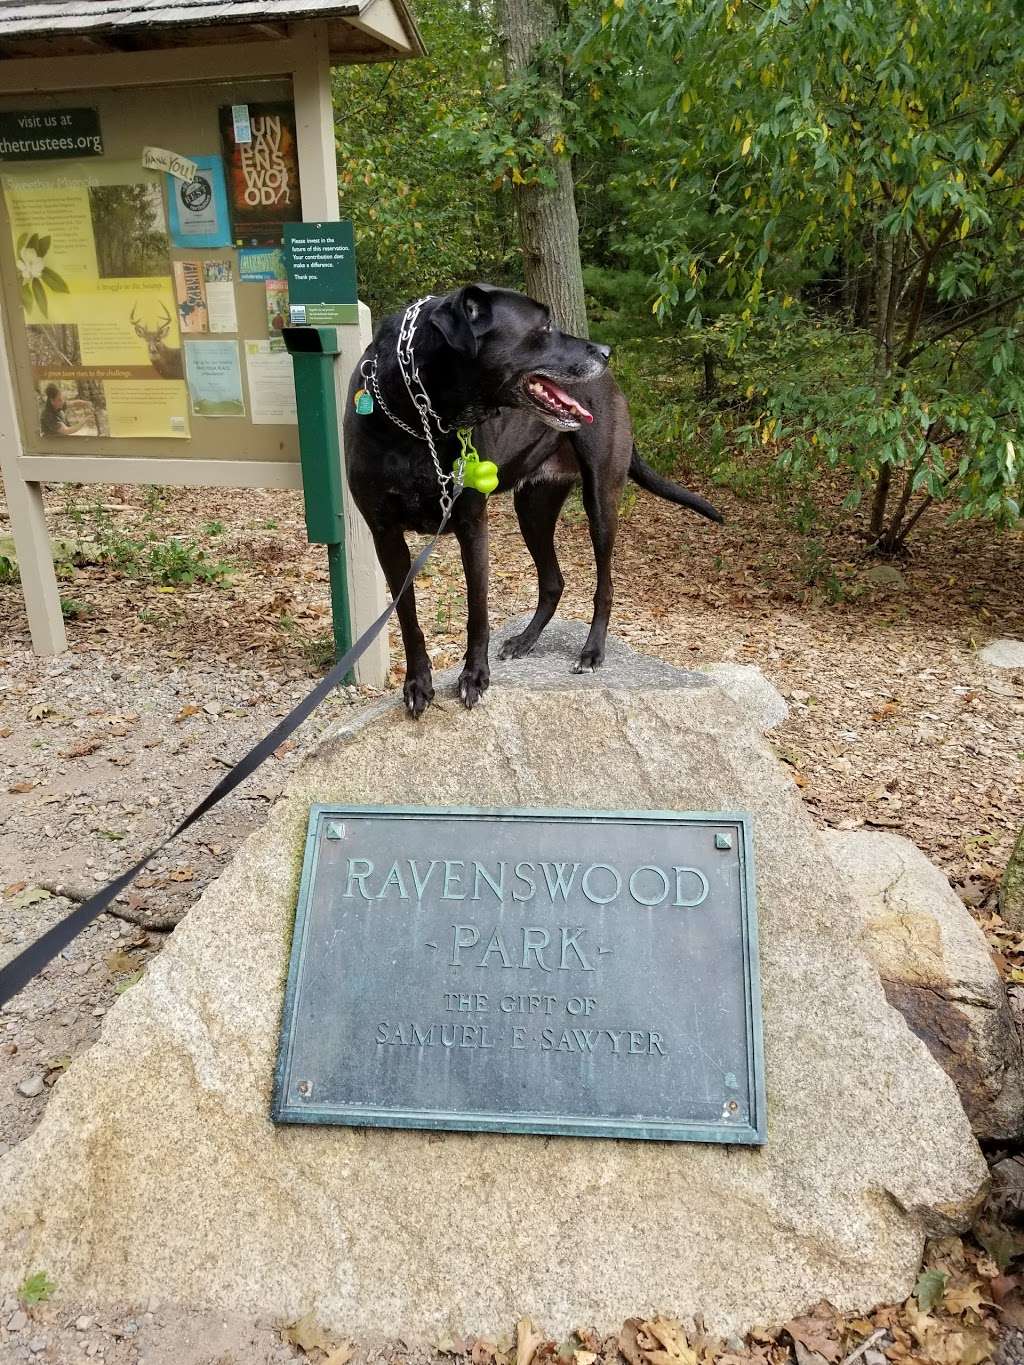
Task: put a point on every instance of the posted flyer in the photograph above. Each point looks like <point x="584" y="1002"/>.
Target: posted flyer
<point x="271" y="384"/>
<point x="98" y="299"/>
<point x="190" y="293"/>
<point x="262" y="174"/>
<point x="198" y="210"/>
<point x="220" y="296"/>
<point x="214" y="378"/>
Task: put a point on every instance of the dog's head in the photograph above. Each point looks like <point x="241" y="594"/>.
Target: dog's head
<point x="519" y="357"/>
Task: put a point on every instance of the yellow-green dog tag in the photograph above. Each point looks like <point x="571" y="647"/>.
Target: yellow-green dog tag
<point x="480" y="475"/>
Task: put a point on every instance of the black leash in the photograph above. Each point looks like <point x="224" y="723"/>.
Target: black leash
<point x="20" y="970"/>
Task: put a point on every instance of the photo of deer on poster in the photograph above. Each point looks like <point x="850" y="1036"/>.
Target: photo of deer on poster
<point x="99" y="312"/>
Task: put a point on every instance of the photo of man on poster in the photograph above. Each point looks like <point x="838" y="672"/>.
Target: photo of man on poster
<point x="55" y="419"/>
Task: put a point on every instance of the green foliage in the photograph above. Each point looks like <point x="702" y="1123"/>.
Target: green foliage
<point x="425" y="219"/>
<point x="36" y="1289"/>
<point x="801" y="227"/>
<point x="174" y="562"/>
<point x="8" y="570"/>
<point x="854" y="174"/>
<point x="73" y="610"/>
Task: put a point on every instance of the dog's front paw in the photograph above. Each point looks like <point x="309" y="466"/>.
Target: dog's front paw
<point x="418" y="694"/>
<point x="473" y="683"/>
<point x="517" y="646"/>
<point x="591" y="658"/>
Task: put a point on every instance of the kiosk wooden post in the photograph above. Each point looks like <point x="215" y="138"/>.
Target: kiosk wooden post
<point x="157" y="77"/>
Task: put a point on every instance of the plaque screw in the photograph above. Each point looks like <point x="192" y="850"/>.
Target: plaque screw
<point x="723" y="840"/>
<point x="305" y="1089"/>
<point x="335" y="830"/>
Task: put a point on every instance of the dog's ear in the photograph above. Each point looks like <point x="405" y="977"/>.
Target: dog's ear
<point x="463" y="318"/>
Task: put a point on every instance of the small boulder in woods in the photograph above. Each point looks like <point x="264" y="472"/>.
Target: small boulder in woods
<point x="936" y="969"/>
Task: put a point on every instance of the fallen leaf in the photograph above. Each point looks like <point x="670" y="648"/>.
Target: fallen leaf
<point x="447" y="1344"/>
<point x="816" y="1333"/>
<point x="121" y="961"/>
<point x="930" y="1287"/>
<point x="181" y="874"/>
<point x="629" y="1346"/>
<point x="964" y="1298"/>
<point x="1011" y="1310"/>
<point x="670" y="1334"/>
<point x="86" y="747"/>
<point x="20" y="788"/>
<point x="341" y="1355"/>
<point x="806" y="1357"/>
<point x="127" y="982"/>
<point x="528" y="1341"/>
<point x="40" y="710"/>
<point x="185" y="712"/>
<point x="31" y="895"/>
<point x="307" y="1334"/>
<point x="1001" y="1285"/>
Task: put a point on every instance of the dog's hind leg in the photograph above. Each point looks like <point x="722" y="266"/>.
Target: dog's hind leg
<point x="395" y="560"/>
<point x="537" y="507"/>
<point x="602" y="490"/>
<point x="471" y="531"/>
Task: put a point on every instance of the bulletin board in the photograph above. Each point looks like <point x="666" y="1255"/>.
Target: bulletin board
<point x="142" y="310"/>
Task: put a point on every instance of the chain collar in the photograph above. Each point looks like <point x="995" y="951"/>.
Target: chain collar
<point x="449" y="484"/>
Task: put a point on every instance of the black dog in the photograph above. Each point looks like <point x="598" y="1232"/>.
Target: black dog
<point x="492" y="360"/>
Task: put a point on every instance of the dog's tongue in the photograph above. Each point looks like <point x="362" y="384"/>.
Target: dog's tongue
<point x="560" y="396"/>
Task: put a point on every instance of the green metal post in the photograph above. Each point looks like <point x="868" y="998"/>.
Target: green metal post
<point x="340" y="614"/>
<point x="314" y="352"/>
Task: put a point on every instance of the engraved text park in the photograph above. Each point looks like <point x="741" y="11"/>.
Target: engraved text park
<point x="560" y="1020"/>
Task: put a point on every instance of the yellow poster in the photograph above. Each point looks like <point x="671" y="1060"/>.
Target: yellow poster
<point x="92" y="253"/>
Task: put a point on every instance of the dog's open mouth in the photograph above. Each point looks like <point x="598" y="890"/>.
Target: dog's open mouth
<point x="558" y="408"/>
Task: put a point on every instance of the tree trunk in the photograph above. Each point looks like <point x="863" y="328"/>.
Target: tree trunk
<point x="885" y="289"/>
<point x="710" y="378"/>
<point x="548" y="226"/>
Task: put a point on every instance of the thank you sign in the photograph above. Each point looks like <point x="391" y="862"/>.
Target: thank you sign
<point x="320" y="261"/>
<point x="565" y="972"/>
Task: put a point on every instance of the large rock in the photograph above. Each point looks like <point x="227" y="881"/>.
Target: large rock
<point x="156" y="1170"/>
<point x="936" y="969"/>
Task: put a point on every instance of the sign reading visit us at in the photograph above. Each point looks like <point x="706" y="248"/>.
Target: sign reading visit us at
<point x="45" y="134"/>
<point x="320" y="262"/>
<point x="568" y="972"/>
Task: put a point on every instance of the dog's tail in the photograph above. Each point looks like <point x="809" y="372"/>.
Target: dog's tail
<point x="648" y="478"/>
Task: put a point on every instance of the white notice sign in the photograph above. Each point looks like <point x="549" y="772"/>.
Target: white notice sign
<point x="271" y="385"/>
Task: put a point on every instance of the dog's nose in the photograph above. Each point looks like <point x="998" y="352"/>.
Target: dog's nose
<point x="605" y="352"/>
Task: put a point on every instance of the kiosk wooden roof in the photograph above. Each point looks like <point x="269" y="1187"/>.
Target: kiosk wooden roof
<point x="357" y="31"/>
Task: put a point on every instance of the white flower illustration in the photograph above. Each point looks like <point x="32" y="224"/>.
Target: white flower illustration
<point x="30" y="264"/>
